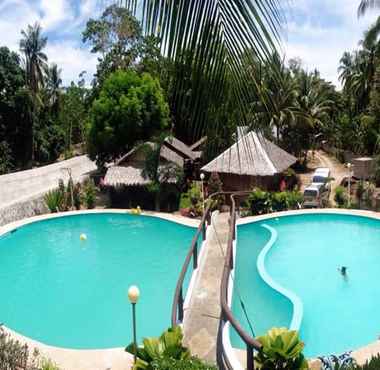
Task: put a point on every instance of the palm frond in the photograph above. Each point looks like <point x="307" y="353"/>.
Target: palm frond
<point x="207" y="41"/>
<point x="365" y="5"/>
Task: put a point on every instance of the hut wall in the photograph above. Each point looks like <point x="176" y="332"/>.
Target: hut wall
<point x="232" y="182"/>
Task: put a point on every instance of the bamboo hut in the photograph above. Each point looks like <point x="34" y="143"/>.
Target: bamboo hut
<point x="252" y="162"/>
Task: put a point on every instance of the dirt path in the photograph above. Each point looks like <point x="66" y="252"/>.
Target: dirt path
<point x="322" y="159"/>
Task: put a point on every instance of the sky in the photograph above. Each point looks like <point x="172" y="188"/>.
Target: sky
<point x="316" y="31"/>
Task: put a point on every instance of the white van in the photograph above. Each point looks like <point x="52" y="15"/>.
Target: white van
<point x="321" y="177"/>
<point x="313" y="196"/>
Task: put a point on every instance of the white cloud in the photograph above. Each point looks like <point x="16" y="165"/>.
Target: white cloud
<point x="55" y="13"/>
<point x="319" y="31"/>
<point x="63" y="28"/>
<point x="72" y="59"/>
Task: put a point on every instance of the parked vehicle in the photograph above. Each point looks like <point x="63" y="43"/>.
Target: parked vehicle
<point x="321" y="177"/>
<point x="314" y="196"/>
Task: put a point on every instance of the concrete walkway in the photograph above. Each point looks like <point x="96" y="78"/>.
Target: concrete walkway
<point x="202" y="316"/>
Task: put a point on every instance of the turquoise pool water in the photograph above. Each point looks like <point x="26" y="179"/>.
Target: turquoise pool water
<point x="339" y="314"/>
<point x="67" y="293"/>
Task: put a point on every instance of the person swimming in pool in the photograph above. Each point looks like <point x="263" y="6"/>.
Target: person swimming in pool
<point x="343" y="270"/>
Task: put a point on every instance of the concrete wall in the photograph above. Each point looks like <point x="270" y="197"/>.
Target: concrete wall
<point x="21" y="193"/>
<point x="24" y="209"/>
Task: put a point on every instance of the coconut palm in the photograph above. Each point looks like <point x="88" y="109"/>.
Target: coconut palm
<point x="53" y="84"/>
<point x="365" y="5"/>
<point x="206" y="41"/>
<point x="32" y="45"/>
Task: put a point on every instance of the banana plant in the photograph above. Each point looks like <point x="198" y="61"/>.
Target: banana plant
<point x="168" y="345"/>
<point x="281" y="349"/>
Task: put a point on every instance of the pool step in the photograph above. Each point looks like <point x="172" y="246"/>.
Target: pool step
<point x="202" y="315"/>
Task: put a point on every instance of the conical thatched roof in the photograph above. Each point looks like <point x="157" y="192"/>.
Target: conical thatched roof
<point x="252" y="155"/>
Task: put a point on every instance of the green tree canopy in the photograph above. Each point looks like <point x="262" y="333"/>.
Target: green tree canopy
<point x="130" y="108"/>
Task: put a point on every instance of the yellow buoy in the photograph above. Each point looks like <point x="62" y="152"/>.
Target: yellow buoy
<point x="83" y="237"/>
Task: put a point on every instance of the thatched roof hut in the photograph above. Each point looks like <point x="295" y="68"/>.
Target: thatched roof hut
<point x="252" y="161"/>
<point x="128" y="170"/>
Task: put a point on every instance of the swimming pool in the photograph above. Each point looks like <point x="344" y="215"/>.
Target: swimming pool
<point x="69" y="293"/>
<point x="336" y="314"/>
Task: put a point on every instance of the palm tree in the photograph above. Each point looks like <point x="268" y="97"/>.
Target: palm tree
<point x="53" y="82"/>
<point x="206" y="42"/>
<point x="32" y="45"/>
<point x="365" y="5"/>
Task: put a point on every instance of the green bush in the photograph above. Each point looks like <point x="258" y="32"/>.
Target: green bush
<point x="89" y="194"/>
<point x="186" y="364"/>
<point x="192" y="200"/>
<point x="16" y="356"/>
<point x="295" y="198"/>
<point x="372" y="364"/>
<point x="55" y="200"/>
<point x="281" y="349"/>
<point x="280" y="201"/>
<point x="155" y="350"/>
<point x="48" y="365"/>
<point x="340" y="196"/>
<point x="260" y="202"/>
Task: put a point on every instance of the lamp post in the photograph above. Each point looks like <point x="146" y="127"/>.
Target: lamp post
<point x="349" y="166"/>
<point x="202" y="176"/>
<point x="133" y="296"/>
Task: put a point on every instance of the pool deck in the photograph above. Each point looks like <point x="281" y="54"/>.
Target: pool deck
<point x="202" y="316"/>
<point x="70" y="359"/>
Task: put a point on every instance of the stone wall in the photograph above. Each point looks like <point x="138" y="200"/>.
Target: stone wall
<point x="25" y="185"/>
<point x="24" y="209"/>
<point x="22" y="193"/>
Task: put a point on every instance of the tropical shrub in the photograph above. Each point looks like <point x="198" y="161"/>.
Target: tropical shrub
<point x="155" y="350"/>
<point x="260" y="202"/>
<point x="192" y="200"/>
<point x="372" y="364"/>
<point x="192" y="363"/>
<point x="89" y="194"/>
<point x="55" y="200"/>
<point x="295" y="198"/>
<point x="340" y="196"/>
<point x="281" y="350"/>
<point x="16" y="356"/>
<point x="280" y="201"/>
<point x="215" y="185"/>
<point x="48" y="365"/>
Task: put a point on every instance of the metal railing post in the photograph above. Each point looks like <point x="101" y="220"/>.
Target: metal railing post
<point x="180" y="306"/>
<point x="250" y="359"/>
<point x="195" y="256"/>
<point x="204" y="231"/>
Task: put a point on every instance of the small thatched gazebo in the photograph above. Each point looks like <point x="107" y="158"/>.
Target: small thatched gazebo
<point x="252" y="161"/>
<point x="128" y="187"/>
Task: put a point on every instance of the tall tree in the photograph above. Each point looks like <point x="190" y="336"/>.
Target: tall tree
<point x="32" y="45"/>
<point x="53" y="86"/>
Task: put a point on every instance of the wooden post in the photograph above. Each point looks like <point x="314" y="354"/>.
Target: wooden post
<point x="250" y="361"/>
<point x="180" y="306"/>
<point x="195" y="256"/>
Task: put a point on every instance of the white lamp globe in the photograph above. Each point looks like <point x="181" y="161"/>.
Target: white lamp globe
<point x="202" y="176"/>
<point x="133" y="294"/>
